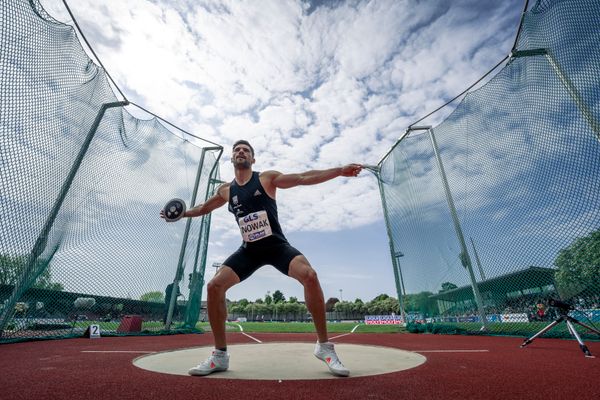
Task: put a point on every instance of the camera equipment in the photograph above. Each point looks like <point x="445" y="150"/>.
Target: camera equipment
<point x="560" y="304"/>
<point x="564" y="309"/>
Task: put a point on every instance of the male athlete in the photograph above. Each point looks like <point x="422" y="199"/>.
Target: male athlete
<point x="251" y="198"/>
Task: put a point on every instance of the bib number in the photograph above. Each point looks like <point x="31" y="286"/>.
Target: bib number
<point x="255" y="226"/>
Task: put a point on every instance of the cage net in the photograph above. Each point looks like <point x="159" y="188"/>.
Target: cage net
<point x="82" y="182"/>
<point x="508" y="217"/>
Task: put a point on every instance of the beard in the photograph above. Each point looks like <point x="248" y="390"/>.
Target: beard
<point x="241" y="164"/>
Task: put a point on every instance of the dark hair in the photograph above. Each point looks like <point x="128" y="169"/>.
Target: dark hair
<point x="242" y="141"/>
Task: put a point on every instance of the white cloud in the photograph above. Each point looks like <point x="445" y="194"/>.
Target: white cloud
<point x="310" y="91"/>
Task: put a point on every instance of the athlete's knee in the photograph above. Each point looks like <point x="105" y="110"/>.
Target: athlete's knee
<point x="310" y="277"/>
<point x="215" y="288"/>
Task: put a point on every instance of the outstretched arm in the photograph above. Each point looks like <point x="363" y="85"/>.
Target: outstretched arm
<point x="216" y="201"/>
<point x="285" y="181"/>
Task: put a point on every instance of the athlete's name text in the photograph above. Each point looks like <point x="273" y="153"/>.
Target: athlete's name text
<point x="255" y="226"/>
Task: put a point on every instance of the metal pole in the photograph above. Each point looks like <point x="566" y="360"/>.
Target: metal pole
<point x="403" y="294"/>
<point x="180" y="265"/>
<point x="571" y="89"/>
<point x="42" y="240"/>
<point x="587" y="114"/>
<point x="201" y="250"/>
<point x="392" y="252"/>
<point x="206" y="218"/>
<point x="477" y="260"/>
<point x="465" y="258"/>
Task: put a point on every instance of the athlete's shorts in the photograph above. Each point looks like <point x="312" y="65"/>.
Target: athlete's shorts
<point x="246" y="260"/>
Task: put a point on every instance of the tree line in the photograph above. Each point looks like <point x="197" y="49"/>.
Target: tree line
<point x="577" y="272"/>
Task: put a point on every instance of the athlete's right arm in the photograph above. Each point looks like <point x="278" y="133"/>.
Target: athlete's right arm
<point x="216" y="201"/>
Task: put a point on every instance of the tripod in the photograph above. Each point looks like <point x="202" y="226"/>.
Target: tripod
<point x="564" y="311"/>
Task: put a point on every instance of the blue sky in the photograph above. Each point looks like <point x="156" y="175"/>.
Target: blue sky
<point x="311" y="85"/>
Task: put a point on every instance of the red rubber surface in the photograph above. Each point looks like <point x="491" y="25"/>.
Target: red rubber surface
<point x="546" y="369"/>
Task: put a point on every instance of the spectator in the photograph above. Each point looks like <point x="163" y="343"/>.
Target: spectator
<point x="540" y="312"/>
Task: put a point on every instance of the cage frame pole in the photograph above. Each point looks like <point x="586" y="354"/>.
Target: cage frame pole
<point x="201" y="251"/>
<point x="392" y="251"/>
<point x="477" y="260"/>
<point x="567" y="83"/>
<point x="188" y="224"/>
<point x="465" y="257"/>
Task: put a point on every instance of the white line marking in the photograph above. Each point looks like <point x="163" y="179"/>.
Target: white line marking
<point x="245" y="334"/>
<point x="339" y="336"/>
<point x="116" y="351"/>
<point x="451" y="351"/>
<point x="345" y="334"/>
<point x="253" y="338"/>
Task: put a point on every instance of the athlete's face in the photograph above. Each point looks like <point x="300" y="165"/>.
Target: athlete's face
<point x="242" y="157"/>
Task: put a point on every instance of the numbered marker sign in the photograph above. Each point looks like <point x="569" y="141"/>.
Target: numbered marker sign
<point x="94" y="331"/>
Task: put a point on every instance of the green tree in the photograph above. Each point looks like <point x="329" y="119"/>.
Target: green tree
<point x="446" y="286"/>
<point x="390" y="305"/>
<point x="421" y="303"/>
<point x="278" y="297"/>
<point x="330" y="303"/>
<point x="344" y="307"/>
<point x="243" y="302"/>
<point x="382" y="296"/>
<point x="11" y="268"/>
<point x="236" y="308"/>
<point x="579" y="266"/>
<point x="359" y="307"/>
<point x="268" y="299"/>
<point x="154" y="297"/>
<point x="261" y="309"/>
<point x="375" y="307"/>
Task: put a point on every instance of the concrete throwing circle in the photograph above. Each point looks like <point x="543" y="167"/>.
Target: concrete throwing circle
<point x="283" y="361"/>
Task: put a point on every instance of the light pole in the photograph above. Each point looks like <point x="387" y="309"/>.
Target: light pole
<point x="397" y="255"/>
<point x="216" y="266"/>
<point x="341" y="298"/>
<point x="268" y="297"/>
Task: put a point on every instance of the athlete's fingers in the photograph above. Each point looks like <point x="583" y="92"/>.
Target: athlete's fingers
<point x="351" y="169"/>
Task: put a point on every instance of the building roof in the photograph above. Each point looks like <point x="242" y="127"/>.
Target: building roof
<point x="528" y="278"/>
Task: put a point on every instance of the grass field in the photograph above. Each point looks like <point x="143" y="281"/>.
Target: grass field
<point x="308" y="327"/>
<point x="512" y="329"/>
<point x="265" y="327"/>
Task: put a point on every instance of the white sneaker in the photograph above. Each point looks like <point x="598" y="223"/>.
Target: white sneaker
<point x="218" y="361"/>
<point x="326" y="352"/>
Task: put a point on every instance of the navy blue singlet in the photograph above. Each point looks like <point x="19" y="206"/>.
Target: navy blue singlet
<point x="250" y="198"/>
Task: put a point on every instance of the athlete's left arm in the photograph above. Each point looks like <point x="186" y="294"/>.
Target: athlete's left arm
<point x="285" y="181"/>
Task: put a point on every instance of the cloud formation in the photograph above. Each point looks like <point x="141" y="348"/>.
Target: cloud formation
<point x="311" y="85"/>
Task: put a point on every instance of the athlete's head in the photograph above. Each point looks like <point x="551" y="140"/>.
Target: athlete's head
<point x="242" y="155"/>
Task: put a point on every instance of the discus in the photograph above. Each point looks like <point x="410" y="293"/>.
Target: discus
<point x="174" y="210"/>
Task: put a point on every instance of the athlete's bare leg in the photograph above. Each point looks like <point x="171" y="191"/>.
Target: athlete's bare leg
<point x="217" y="310"/>
<point x="301" y="270"/>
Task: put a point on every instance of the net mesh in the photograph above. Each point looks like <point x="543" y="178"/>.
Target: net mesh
<point x="518" y="222"/>
<point x="81" y="185"/>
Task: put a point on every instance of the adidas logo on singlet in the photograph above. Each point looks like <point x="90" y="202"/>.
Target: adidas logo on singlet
<point x="257" y="193"/>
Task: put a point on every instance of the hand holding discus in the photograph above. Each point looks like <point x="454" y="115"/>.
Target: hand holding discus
<point x="173" y="211"/>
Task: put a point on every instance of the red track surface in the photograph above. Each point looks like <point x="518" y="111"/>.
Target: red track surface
<point x="546" y="369"/>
